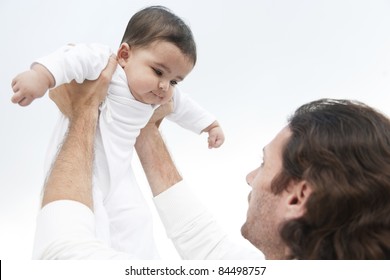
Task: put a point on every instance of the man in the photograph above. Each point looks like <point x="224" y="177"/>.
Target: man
<point x="322" y="192"/>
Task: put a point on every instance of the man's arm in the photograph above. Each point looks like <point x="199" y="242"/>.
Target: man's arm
<point x="71" y="174"/>
<point x="156" y="161"/>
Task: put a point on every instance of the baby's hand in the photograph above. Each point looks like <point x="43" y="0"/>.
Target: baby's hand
<point x="31" y="84"/>
<point x="216" y="136"/>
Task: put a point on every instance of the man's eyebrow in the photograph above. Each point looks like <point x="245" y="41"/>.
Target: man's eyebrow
<point x="166" y="68"/>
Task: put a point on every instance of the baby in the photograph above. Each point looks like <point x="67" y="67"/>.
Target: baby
<point x="157" y="52"/>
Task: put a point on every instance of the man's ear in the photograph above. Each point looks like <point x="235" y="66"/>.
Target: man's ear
<point x="297" y="195"/>
<point x="123" y="54"/>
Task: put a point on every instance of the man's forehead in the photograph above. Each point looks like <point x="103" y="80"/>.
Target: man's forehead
<point x="278" y="142"/>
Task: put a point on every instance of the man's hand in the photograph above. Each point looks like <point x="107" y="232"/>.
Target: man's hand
<point x="74" y="99"/>
<point x="160" y="113"/>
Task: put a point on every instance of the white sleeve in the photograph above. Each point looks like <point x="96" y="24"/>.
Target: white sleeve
<point x="189" y="114"/>
<point x="76" y="62"/>
<point x="194" y="231"/>
<point x="66" y="230"/>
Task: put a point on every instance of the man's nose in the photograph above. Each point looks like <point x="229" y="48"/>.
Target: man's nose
<point x="250" y="176"/>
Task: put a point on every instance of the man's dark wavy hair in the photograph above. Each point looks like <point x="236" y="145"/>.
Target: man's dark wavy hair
<point x="342" y="149"/>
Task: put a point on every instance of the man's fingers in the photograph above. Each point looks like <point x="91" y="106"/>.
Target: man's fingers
<point x="69" y="98"/>
<point x="53" y="93"/>
<point x="161" y="112"/>
<point x="110" y="68"/>
<point x="61" y="96"/>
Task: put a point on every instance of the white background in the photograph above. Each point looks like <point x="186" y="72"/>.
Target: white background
<point x="257" y="61"/>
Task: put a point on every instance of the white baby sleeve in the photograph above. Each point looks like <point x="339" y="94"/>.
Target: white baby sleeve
<point x="76" y="62"/>
<point x="189" y="114"/>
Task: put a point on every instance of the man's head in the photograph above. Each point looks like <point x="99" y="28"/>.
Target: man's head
<point x="328" y="195"/>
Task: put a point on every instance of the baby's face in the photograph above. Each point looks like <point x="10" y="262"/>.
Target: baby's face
<point x="152" y="72"/>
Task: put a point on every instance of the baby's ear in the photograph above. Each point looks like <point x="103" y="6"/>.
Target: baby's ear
<point x="123" y="54"/>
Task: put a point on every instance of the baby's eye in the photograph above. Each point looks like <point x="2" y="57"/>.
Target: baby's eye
<point x="158" y="72"/>
<point x="173" y="83"/>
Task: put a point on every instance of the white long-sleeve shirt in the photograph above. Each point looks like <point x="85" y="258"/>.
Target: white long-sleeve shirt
<point x="66" y="230"/>
<point x="117" y="198"/>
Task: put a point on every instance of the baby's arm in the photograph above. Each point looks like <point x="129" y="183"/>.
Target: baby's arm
<point x="216" y="136"/>
<point x="70" y="62"/>
<point x="31" y="84"/>
<point x="190" y="115"/>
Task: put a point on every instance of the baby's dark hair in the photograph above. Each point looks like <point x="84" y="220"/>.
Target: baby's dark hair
<point x="157" y="23"/>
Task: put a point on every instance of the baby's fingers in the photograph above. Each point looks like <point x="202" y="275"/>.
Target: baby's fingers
<point x="17" y="97"/>
<point x="212" y="140"/>
<point x="215" y="141"/>
<point x="21" y="99"/>
<point x="218" y="143"/>
<point x="25" y="101"/>
<point x="13" y="84"/>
